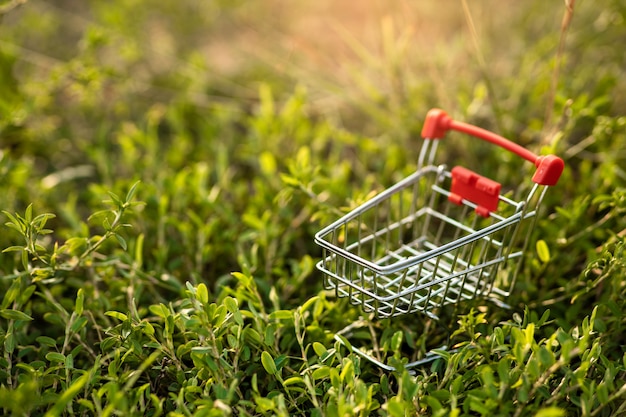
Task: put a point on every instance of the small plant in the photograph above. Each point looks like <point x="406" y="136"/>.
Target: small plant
<point x="75" y="252"/>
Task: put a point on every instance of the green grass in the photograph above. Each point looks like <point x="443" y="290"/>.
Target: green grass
<point x="165" y="165"/>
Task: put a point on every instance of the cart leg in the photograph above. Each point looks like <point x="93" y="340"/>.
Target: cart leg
<point x="430" y="357"/>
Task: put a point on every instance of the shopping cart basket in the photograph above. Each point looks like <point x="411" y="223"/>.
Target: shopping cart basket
<point x="435" y="238"/>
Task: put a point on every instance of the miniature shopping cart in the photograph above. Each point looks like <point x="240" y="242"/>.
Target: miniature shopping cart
<point x="438" y="237"/>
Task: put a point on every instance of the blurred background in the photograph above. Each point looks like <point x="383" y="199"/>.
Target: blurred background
<point x="368" y="65"/>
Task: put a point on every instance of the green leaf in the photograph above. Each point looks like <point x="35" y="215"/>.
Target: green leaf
<point x="545" y="357"/>
<point x="117" y="315"/>
<point x="264" y="404"/>
<point x="15" y="222"/>
<point x="347" y="372"/>
<point x="396" y="341"/>
<point x="251" y="336"/>
<point x="202" y="293"/>
<point x="9" y="342"/>
<point x="344" y="342"/>
<point x="26" y="294"/>
<point x="434" y="404"/>
<point x="544" y="317"/>
<point x="231" y="304"/>
<point x="80" y="299"/>
<point x="25" y="260"/>
<point x="320" y="349"/>
<point x="121" y="241"/>
<point x="115" y="198"/>
<point x="233" y="307"/>
<point x="68" y="395"/>
<point x="267" y="163"/>
<point x="293" y="381"/>
<point x="76" y="245"/>
<point x="282" y="315"/>
<point x="603" y="393"/>
<point x="308" y="303"/>
<point x="303" y="157"/>
<point x="55" y="357"/>
<point x="41" y="221"/>
<point x="243" y="279"/>
<point x="139" y="249"/>
<point x="18" y="227"/>
<point x="268" y="363"/>
<point x="476" y="404"/>
<point x="28" y="214"/>
<point x="46" y="341"/>
<point x="132" y="191"/>
<point x="203" y="350"/>
<point x="321" y="373"/>
<point x="12" y="293"/>
<point x="289" y="180"/>
<point x="11" y="314"/>
<point x="148" y="329"/>
<point x="504" y="369"/>
<point x="13" y="249"/>
<point x="551" y="412"/>
<point x="396" y="407"/>
<point x="160" y="310"/>
<point x="529" y="334"/>
<point x="69" y="361"/>
<point x="86" y="404"/>
<point x="79" y="324"/>
<point x="543" y="251"/>
<point x="39" y="248"/>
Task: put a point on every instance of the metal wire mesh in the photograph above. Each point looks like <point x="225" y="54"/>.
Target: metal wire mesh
<point x="409" y="249"/>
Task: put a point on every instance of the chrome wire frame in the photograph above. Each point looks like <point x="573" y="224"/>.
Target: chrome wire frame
<point x="410" y="250"/>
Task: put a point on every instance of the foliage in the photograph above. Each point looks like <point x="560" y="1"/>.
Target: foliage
<point x="159" y="212"/>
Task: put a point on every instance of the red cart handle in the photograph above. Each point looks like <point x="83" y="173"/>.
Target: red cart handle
<point x="549" y="167"/>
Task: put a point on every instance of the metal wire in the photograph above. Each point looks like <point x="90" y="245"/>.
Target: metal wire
<point x="409" y="249"/>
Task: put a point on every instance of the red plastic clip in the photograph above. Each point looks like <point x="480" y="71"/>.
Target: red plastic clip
<point x="549" y="170"/>
<point x="482" y="191"/>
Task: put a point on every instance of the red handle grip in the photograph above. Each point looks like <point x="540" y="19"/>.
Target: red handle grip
<point x="549" y="167"/>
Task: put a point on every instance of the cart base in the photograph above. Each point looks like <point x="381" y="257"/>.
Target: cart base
<point x="431" y="356"/>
